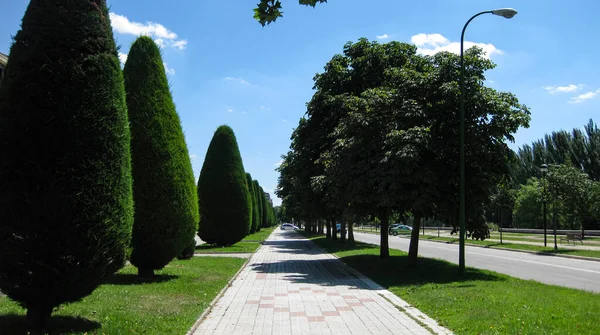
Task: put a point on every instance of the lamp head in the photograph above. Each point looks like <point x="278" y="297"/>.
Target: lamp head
<point x="506" y="13"/>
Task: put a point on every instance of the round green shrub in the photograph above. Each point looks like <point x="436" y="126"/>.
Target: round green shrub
<point x="65" y="170"/>
<point x="164" y="189"/>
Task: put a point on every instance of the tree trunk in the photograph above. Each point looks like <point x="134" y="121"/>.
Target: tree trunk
<point x="343" y="230"/>
<point x="37" y="318"/>
<point x="384" y="247"/>
<point x="321" y="226"/>
<point x="333" y="230"/>
<point x="413" y="249"/>
<point x="328" y="233"/>
<point x="145" y="272"/>
<point x="350" y="233"/>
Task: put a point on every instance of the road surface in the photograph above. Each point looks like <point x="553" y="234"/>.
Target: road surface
<point x="568" y="272"/>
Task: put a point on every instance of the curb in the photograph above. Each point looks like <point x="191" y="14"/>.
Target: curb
<point x="524" y="251"/>
<point x="395" y="300"/>
<point x="221" y="293"/>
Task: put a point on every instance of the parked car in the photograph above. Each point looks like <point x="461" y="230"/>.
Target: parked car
<point x="400" y="229"/>
<point x="288" y="226"/>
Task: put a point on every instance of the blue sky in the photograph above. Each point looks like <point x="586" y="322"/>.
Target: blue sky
<point x="224" y="68"/>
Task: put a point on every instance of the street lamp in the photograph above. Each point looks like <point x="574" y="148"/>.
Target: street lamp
<point x="506" y="13"/>
<point x="544" y="169"/>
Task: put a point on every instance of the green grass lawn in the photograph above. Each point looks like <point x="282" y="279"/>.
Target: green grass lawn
<point x="481" y="302"/>
<point x="515" y="246"/>
<point x="262" y="235"/>
<point x="170" y="304"/>
<point x="238" y="247"/>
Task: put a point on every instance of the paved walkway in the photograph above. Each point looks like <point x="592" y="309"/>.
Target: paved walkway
<point x="291" y="287"/>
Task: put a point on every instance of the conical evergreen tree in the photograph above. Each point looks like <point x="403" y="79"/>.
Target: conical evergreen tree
<point x="225" y="203"/>
<point x="259" y="202"/>
<point x="254" y="220"/>
<point x="265" y="206"/>
<point x="164" y="189"/>
<point x="65" y="168"/>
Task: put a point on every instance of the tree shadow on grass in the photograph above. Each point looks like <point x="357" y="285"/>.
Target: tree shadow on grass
<point x="13" y="324"/>
<point x="393" y="271"/>
<point x="133" y="279"/>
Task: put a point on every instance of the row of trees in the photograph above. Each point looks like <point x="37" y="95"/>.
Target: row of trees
<point x="380" y="136"/>
<point x="83" y="143"/>
<point x="232" y="204"/>
<point x="570" y="188"/>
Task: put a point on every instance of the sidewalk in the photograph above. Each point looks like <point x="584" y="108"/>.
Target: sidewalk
<point x="291" y="287"/>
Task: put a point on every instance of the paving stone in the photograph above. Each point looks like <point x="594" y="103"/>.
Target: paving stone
<point x="290" y="286"/>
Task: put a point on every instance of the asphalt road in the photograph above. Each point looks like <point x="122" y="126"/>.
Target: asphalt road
<point x="568" y="272"/>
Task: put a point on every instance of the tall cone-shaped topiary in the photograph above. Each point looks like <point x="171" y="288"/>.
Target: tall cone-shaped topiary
<point x="164" y="189"/>
<point x="259" y="203"/>
<point x="254" y="213"/>
<point x="65" y="170"/>
<point x="265" y="206"/>
<point x="225" y="202"/>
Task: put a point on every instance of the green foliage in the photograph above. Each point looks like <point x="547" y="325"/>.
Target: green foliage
<point x="580" y="148"/>
<point x="268" y="11"/>
<point x="165" y="196"/>
<point x="65" y="169"/>
<point x="527" y="211"/>
<point x="265" y="207"/>
<point x="259" y="205"/>
<point x="225" y="202"/>
<point x="573" y="191"/>
<point x="188" y="251"/>
<point x="255" y="211"/>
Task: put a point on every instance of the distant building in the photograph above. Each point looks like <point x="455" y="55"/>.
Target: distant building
<point x="3" y="62"/>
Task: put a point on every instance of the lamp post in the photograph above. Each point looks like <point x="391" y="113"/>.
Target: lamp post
<point x="506" y="13"/>
<point x="544" y="169"/>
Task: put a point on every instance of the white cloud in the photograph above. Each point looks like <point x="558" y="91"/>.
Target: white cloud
<point x="193" y="156"/>
<point x="168" y="70"/>
<point x="230" y="110"/>
<point x="562" y="89"/>
<point x="162" y="36"/>
<point x="285" y="121"/>
<point x="265" y="108"/>
<point x="583" y="97"/>
<point x="383" y="37"/>
<point x="122" y="57"/>
<point x="181" y="44"/>
<point x="160" y="42"/>
<point x="237" y="80"/>
<point x="430" y="44"/>
<point x="278" y="164"/>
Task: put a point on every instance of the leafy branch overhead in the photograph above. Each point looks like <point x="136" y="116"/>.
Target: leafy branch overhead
<point x="269" y="10"/>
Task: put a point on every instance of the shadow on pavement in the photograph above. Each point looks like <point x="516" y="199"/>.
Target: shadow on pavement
<point x="13" y="324"/>
<point x="387" y="272"/>
<point x="133" y="279"/>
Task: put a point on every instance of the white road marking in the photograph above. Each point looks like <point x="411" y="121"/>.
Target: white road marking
<point x="520" y="260"/>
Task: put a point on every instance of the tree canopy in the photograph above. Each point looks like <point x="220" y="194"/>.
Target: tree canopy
<point x="65" y="168"/>
<point x="380" y="135"/>
<point x="268" y="11"/>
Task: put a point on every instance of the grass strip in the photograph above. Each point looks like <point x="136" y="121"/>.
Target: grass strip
<point x="170" y="303"/>
<point x="480" y="302"/>
<point x="260" y="236"/>
<point x="234" y="248"/>
<point x="515" y="246"/>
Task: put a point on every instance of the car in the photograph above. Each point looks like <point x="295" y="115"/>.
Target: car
<point x="288" y="226"/>
<point x="395" y="225"/>
<point x="400" y="229"/>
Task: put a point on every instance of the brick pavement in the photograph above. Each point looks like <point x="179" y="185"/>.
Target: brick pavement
<point x="290" y="286"/>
